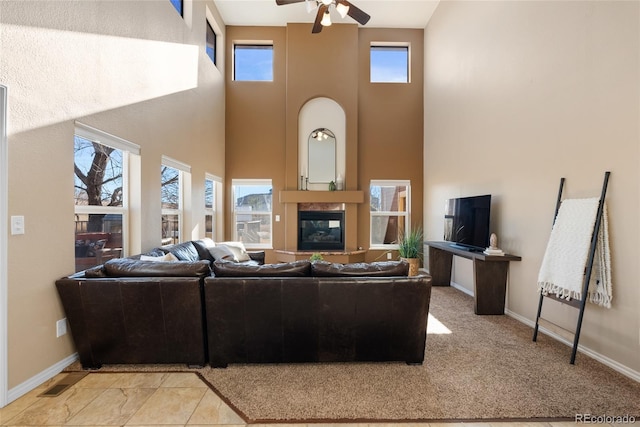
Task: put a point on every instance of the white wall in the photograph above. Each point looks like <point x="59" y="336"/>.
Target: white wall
<point x="519" y="94"/>
<point x="134" y="69"/>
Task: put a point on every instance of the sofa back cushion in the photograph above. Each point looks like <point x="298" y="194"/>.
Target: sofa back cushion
<point x="183" y="251"/>
<point x="126" y="267"/>
<point x="363" y="269"/>
<point x="287" y="269"/>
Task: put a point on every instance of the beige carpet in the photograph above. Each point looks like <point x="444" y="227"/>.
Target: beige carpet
<point x="487" y="367"/>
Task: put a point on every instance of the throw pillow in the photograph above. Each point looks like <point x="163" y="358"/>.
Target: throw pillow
<point x="167" y="257"/>
<point x="222" y="252"/>
<point x="239" y="252"/>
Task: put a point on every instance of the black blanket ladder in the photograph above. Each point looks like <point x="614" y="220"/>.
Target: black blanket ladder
<point x="579" y="304"/>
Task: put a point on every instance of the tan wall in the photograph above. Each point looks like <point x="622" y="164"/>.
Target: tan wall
<point x="518" y="95"/>
<point x="134" y="69"/>
<point x="333" y="64"/>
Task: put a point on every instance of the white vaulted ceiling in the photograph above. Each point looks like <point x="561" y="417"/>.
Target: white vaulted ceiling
<point x="384" y="13"/>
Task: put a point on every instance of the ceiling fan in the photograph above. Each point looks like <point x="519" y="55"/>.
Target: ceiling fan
<point x="323" y="19"/>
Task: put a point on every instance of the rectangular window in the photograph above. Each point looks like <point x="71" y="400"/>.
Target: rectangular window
<point x="212" y="196"/>
<point x="101" y="166"/>
<point x="252" y="211"/>
<point x="390" y="207"/>
<point x="253" y="62"/>
<point x="172" y="199"/>
<point x="211" y="43"/>
<point x="389" y="64"/>
<point x="177" y="4"/>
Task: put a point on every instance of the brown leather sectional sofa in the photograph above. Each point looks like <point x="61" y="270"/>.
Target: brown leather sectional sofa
<point x="133" y="311"/>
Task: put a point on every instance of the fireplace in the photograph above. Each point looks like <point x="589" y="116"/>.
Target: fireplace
<point x="320" y="230"/>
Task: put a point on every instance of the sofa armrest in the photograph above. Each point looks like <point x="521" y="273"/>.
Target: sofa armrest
<point x="257" y="256"/>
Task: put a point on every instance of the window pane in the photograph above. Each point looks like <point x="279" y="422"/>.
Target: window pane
<point x="253" y="228"/>
<point x="170" y="229"/>
<point x="98" y="174"/>
<point x="170" y="188"/>
<point x="252" y="197"/>
<point x="211" y="43"/>
<point x="208" y="194"/>
<point x="389" y="64"/>
<point x="98" y="239"/>
<point x="388" y="198"/>
<point x="253" y="62"/>
<point x="252" y="211"/>
<point x="178" y="5"/>
<point x="208" y="226"/>
<point x="386" y="230"/>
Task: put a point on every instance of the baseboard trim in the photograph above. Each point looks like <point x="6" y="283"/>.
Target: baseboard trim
<point x="33" y="382"/>
<point x="616" y="366"/>
<point x="462" y="289"/>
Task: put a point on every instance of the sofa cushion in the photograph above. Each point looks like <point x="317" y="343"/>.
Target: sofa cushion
<point x="203" y="246"/>
<point x="183" y="251"/>
<point x="126" y="267"/>
<point x="221" y="252"/>
<point x="372" y="269"/>
<point x="288" y="269"/>
<point x="239" y="251"/>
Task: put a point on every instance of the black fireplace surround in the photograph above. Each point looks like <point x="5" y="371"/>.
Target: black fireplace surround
<point x="320" y="230"/>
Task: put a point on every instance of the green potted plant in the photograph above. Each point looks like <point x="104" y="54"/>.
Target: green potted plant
<point x="410" y="249"/>
<point x="316" y="257"/>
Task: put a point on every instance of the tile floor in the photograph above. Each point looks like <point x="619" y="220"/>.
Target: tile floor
<point x="150" y="399"/>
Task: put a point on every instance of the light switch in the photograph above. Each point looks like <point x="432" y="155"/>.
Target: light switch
<point x="17" y="224"/>
<point x="277" y="218"/>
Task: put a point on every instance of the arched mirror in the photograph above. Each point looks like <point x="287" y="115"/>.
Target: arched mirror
<point x="322" y="156"/>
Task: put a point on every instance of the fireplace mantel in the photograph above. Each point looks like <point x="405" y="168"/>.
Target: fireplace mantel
<point x="349" y="196"/>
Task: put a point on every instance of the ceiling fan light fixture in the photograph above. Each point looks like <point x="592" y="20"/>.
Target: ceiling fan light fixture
<point x="326" y="19"/>
<point x="326" y="2"/>
<point x="342" y="9"/>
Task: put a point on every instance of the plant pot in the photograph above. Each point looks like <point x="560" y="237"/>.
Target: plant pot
<point x="414" y="265"/>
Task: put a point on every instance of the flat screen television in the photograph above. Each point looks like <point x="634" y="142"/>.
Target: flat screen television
<point x="466" y="222"/>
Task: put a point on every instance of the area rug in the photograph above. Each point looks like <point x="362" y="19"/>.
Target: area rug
<point x="475" y="368"/>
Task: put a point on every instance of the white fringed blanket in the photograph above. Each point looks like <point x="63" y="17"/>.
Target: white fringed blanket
<point x="565" y="260"/>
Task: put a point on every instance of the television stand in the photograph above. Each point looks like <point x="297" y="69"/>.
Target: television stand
<point x="489" y="274"/>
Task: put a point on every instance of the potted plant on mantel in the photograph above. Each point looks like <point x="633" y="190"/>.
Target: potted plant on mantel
<point x="410" y="249"/>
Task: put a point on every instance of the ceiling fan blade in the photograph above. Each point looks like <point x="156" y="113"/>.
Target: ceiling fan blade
<point x="356" y="13"/>
<point x="317" y="26"/>
<point x="283" y="2"/>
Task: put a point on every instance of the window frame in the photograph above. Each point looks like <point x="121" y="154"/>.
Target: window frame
<point x="401" y="214"/>
<point x="182" y="168"/>
<point x="215" y="211"/>
<point x="390" y="46"/>
<point x="127" y="149"/>
<point x="254" y="45"/>
<point x="234" y="212"/>
<point x="207" y="44"/>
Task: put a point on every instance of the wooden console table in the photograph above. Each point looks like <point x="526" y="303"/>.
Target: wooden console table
<point x="489" y="274"/>
<point x="332" y="256"/>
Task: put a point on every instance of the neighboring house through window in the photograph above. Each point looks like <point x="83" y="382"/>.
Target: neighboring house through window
<point x="252" y="212"/>
<point x="390" y="208"/>
<point x="101" y="182"/>
<point x="172" y="198"/>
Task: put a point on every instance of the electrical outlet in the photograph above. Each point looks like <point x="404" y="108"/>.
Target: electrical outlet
<point x="61" y="327"/>
<point x="388" y="255"/>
